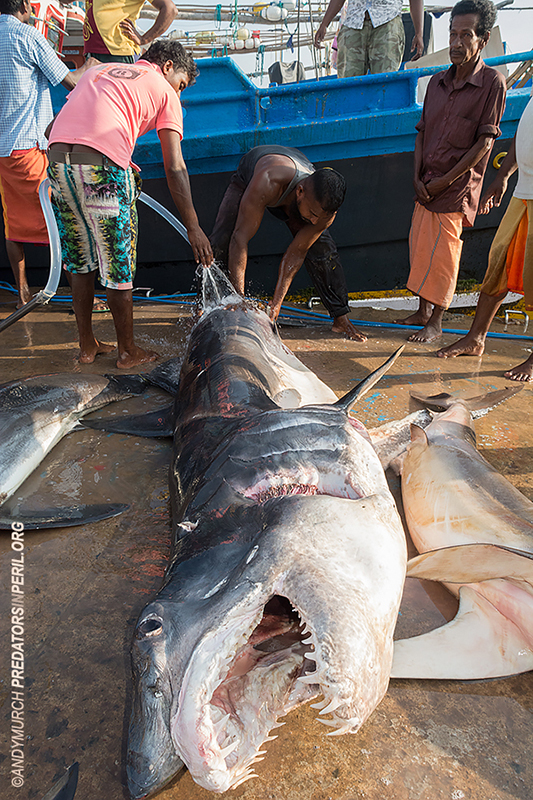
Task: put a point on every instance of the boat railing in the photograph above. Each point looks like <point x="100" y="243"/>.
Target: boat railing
<point x="329" y="118"/>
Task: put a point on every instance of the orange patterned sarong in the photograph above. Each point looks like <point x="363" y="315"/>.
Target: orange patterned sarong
<point x="21" y="173"/>
<point x="435" y="246"/>
<point x="511" y="254"/>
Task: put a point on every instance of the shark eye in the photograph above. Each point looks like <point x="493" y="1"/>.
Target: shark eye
<point x="149" y="627"/>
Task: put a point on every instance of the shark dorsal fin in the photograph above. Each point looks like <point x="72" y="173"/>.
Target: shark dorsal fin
<point x="347" y="401"/>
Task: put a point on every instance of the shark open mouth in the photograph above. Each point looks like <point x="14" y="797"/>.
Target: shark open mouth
<point x="238" y="684"/>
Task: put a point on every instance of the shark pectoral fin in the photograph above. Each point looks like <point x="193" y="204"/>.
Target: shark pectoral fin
<point x="478" y="643"/>
<point x="66" y="517"/>
<point x="471" y="563"/>
<point x="418" y="435"/>
<point x="155" y="424"/>
<point x="347" y="401"/>
<point x="478" y="406"/>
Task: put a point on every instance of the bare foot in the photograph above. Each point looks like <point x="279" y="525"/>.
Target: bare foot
<point x="343" y="325"/>
<point x="88" y="356"/>
<point x="99" y="306"/>
<point x="131" y="358"/>
<point x="467" y="346"/>
<point x="523" y="372"/>
<point x="24" y="297"/>
<point x="428" y="333"/>
<point x="418" y="318"/>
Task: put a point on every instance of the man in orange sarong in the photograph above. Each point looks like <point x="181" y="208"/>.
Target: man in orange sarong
<point x="462" y="110"/>
<point x="511" y="255"/>
<point x="28" y="65"/>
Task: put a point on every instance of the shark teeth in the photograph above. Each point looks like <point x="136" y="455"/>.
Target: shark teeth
<point x="225" y="751"/>
<point x="341" y="727"/>
<point x="221" y="724"/>
<point x="246" y="777"/>
<point x="332" y="706"/>
<point x="309" y="678"/>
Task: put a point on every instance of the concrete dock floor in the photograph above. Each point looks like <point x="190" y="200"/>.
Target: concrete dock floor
<point x="85" y="586"/>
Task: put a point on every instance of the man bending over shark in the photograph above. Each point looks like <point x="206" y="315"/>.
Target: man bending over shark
<point x="283" y="180"/>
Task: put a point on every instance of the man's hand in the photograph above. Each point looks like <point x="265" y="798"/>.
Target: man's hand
<point x="320" y="34"/>
<point x="167" y="13"/>
<point x="201" y="246"/>
<point x="73" y="77"/>
<point x="493" y="196"/>
<point x="273" y="310"/>
<point x="418" y="46"/>
<point x="421" y="191"/>
<point x="437" y="186"/>
<point x="130" y="31"/>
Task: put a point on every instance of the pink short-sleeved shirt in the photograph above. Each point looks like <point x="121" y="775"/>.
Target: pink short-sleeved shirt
<point x="113" y="104"/>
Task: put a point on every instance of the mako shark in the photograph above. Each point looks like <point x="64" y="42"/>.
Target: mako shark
<point x="35" y="414"/>
<point x="474" y="530"/>
<point x="287" y="566"/>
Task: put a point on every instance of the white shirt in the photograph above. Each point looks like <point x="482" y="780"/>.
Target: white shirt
<point x="524" y="153"/>
<point x="380" y="12"/>
<point x="28" y="66"/>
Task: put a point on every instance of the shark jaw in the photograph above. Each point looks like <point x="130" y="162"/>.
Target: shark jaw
<point x="242" y="678"/>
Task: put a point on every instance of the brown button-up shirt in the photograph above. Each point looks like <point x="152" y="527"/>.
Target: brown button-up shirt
<point x="452" y="120"/>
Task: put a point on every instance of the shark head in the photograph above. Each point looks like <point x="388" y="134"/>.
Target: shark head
<point x="301" y="604"/>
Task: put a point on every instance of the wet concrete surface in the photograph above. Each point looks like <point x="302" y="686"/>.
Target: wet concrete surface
<point x="85" y="587"/>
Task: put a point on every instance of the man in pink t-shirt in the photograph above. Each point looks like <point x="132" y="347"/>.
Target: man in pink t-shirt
<point x="95" y="185"/>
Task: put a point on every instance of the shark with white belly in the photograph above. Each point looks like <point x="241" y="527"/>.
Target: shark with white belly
<point x="474" y="531"/>
<point x="287" y="566"/>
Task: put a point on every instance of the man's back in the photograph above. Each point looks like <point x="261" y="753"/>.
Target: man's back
<point x="27" y="66"/>
<point x="113" y="104"/>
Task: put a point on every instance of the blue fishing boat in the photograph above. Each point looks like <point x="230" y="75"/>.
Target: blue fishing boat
<point x="364" y="127"/>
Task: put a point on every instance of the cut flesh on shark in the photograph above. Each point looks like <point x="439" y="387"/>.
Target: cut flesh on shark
<point x="287" y="566"/>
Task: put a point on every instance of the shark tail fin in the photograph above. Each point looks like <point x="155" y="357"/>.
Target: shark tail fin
<point x="350" y="398"/>
<point x="489" y="637"/>
<point x="478" y="406"/>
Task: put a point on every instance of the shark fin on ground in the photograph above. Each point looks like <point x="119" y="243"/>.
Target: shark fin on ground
<point x="471" y="563"/>
<point x="65" y="788"/>
<point x="347" y="401"/>
<point x="478" y="643"/>
<point x="154" y="424"/>
<point x="65" y="517"/>
<point x="478" y="406"/>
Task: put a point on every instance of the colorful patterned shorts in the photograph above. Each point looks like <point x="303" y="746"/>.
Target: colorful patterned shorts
<point x="97" y="219"/>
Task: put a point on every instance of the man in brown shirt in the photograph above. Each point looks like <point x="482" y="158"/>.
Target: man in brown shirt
<point x="460" y="118"/>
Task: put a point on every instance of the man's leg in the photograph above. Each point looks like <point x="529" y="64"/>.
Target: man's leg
<point x="324" y="266"/>
<point x="352" y="58"/>
<point x="121" y="306"/>
<point x="435" y="247"/>
<point x="432" y="328"/>
<point x="21" y="174"/>
<point x="386" y="46"/>
<point x="82" y="286"/>
<point x="420" y="317"/>
<point x="15" y="254"/>
<point x="473" y="344"/>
